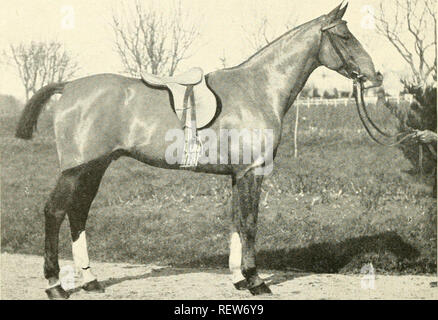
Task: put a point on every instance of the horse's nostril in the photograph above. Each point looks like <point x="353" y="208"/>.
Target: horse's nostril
<point x="379" y="76"/>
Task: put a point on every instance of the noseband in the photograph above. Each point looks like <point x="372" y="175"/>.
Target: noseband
<point x="352" y="73"/>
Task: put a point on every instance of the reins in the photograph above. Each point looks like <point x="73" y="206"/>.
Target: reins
<point x="409" y="133"/>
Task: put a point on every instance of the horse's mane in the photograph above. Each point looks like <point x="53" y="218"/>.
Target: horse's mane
<point x="273" y="42"/>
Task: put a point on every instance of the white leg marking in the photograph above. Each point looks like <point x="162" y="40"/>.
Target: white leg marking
<point x="80" y="257"/>
<point x="235" y="259"/>
<point x="54" y="285"/>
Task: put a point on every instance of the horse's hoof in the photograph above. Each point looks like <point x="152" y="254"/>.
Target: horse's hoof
<point x="57" y="293"/>
<point x="93" y="286"/>
<point x="241" y="285"/>
<point x="260" y="289"/>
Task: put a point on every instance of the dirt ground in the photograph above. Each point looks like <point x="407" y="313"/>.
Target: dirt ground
<point x="21" y="278"/>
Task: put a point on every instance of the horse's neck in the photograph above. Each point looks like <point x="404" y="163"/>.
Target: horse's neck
<point x="285" y="66"/>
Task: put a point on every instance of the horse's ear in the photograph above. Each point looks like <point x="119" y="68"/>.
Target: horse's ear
<point x="337" y="13"/>
<point x="341" y="12"/>
<point x="332" y="15"/>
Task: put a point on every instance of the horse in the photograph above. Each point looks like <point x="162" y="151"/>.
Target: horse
<point x="103" y="117"/>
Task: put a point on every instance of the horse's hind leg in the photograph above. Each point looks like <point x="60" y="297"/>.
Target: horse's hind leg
<point x="245" y="202"/>
<point x="73" y="195"/>
<point x="54" y="212"/>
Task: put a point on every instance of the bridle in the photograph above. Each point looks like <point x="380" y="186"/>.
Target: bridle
<point x="358" y="88"/>
<point x="347" y="66"/>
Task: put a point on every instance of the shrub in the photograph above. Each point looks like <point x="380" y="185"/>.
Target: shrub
<point x="421" y="114"/>
<point x="9" y="105"/>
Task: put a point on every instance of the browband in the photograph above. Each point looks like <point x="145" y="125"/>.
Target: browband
<point x="334" y="24"/>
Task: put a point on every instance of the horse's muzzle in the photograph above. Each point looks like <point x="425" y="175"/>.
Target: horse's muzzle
<point x="373" y="82"/>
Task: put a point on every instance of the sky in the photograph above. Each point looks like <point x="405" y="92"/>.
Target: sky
<point x="89" y="37"/>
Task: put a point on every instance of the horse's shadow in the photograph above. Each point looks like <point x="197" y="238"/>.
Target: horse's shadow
<point x="326" y="257"/>
<point x="332" y="257"/>
<point x="161" y="272"/>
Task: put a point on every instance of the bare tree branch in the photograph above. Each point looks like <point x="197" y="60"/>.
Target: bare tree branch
<point x="41" y="63"/>
<point x="223" y="59"/>
<point x="263" y="33"/>
<point x="152" y="41"/>
<point x="411" y="29"/>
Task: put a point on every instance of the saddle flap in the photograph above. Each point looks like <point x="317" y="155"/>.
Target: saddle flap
<point x="206" y="104"/>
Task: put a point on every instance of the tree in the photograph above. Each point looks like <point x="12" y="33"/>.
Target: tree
<point x="41" y="63"/>
<point x="306" y="91"/>
<point x="152" y="41"/>
<point x="315" y="93"/>
<point x="411" y="27"/>
<point x="421" y="115"/>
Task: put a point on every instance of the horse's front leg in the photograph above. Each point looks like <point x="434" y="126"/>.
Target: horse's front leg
<point x="245" y="203"/>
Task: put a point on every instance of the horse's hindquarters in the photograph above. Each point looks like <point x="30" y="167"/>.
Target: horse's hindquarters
<point x="101" y="114"/>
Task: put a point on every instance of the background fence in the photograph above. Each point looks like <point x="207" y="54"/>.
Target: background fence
<point x="346" y="101"/>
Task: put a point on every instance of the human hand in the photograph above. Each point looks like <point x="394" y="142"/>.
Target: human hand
<point x="426" y="136"/>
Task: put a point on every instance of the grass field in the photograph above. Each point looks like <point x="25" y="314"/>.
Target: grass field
<point x="342" y="203"/>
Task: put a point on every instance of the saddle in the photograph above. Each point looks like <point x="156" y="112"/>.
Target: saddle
<point x="188" y="85"/>
<point x="195" y="105"/>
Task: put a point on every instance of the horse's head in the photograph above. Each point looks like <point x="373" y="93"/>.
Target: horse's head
<point x="342" y="52"/>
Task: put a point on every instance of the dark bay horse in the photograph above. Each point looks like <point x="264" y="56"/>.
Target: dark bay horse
<point x="103" y="117"/>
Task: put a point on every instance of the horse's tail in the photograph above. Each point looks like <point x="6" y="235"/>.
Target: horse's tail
<point x="28" y="120"/>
